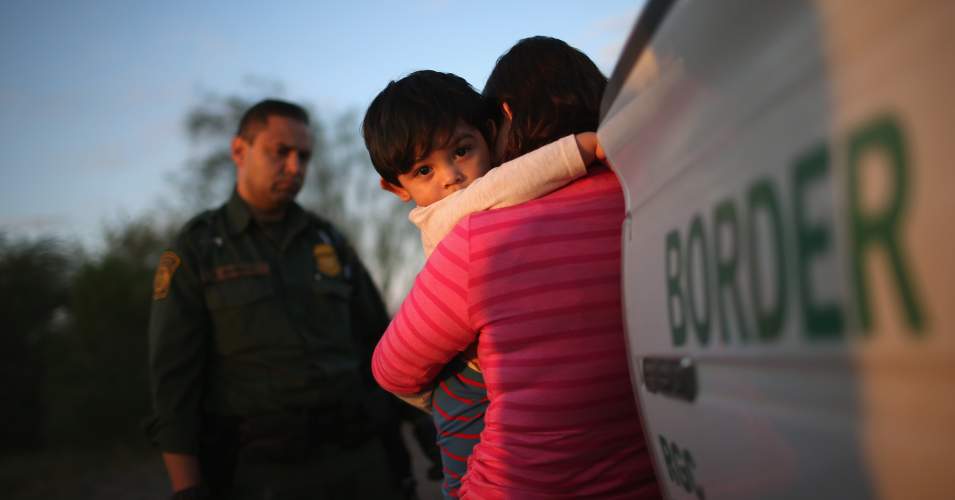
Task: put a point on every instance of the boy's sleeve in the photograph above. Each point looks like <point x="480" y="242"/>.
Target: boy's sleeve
<point x="521" y="179"/>
<point x="433" y="324"/>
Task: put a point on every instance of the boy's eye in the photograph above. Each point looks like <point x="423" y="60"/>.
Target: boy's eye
<point x="462" y="150"/>
<point x="425" y="170"/>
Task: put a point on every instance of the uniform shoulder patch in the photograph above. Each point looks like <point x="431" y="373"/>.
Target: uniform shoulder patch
<point x="168" y="263"/>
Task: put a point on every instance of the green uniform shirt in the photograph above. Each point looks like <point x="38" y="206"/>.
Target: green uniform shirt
<point x="252" y="320"/>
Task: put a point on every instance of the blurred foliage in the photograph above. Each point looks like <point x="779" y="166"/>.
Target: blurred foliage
<point x="33" y="284"/>
<point x="78" y="346"/>
<point x="97" y="376"/>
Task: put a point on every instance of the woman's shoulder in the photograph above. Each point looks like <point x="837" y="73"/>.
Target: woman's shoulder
<point x="600" y="185"/>
<point x="598" y="189"/>
<point x="599" y="177"/>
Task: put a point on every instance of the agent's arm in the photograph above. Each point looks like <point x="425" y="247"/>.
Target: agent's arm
<point x="178" y="329"/>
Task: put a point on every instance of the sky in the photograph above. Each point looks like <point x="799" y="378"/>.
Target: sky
<point x="94" y="94"/>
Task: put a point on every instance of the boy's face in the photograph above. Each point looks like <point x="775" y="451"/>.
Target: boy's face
<point x="444" y="170"/>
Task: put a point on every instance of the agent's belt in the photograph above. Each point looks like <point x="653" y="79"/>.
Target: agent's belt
<point x="294" y="436"/>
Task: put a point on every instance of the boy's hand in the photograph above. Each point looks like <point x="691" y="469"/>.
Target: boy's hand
<point x="470" y="355"/>
<point x="590" y="148"/>
<point x="587" y="144"/>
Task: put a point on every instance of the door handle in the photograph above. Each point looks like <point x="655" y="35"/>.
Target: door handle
<point x="671" y="377"/>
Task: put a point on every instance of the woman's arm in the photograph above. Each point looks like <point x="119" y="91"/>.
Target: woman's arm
<point x="432" y="325"/>
<point x="521" y="179"/>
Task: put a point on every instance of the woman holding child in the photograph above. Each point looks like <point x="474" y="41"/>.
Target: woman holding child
<point x="538" y="286"/>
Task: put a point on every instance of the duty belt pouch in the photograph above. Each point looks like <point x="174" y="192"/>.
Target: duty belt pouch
<point x="280" y="438"/>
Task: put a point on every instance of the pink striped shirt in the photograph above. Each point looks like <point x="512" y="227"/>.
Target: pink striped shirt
<point x="540" y="283"/>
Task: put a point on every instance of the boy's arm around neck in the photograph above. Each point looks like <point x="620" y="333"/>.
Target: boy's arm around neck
<point x="522" y="179"/>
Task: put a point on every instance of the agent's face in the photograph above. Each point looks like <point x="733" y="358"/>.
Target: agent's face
<point x="271" y="170"/>
<point x="445" y="170"/>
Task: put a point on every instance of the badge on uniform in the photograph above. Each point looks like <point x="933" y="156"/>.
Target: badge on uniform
<point x="168" y="263"/>
<point x="326" y="260"/>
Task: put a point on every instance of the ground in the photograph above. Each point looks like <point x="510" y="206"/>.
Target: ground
<point x="120" y="473"/>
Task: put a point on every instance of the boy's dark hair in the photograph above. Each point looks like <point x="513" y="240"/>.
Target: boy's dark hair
<point x="256" y="117"/>
<point x="415" y="115"/>
<point x="552" y="89"/>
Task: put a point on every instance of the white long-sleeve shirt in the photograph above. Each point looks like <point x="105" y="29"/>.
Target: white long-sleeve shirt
<point x="522" y="179"/>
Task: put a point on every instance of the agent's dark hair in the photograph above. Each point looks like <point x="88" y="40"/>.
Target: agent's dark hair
<point x="415" y="115"/>
<point x="255" y="118"/>
<point x="552" y="89"/>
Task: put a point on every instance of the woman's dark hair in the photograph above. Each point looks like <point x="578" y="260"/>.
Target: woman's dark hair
<point x="552" y="90"/>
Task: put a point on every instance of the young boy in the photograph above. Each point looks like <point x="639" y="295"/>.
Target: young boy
<point x="427" y="135"/>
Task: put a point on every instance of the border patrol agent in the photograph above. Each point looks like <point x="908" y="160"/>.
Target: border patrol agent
<point x="262" y="327"/>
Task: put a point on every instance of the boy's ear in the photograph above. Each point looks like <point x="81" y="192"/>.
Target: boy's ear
<point x="398" y="191"/>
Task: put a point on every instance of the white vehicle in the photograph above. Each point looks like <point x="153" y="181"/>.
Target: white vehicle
<point x="789" y="170"/>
